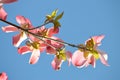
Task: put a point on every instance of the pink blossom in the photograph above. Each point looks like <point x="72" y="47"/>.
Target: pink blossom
<point x="3" y="14"/>
<point x="49" y="33"/>
<point x="103" y="56"/>
<point x="83" y="58"/>
<point x="97" y="40"/>
<point x="52" y="31"/>
<point x="44" y="32"/>
<point x="56" y="63"/>
<point x="90" y="60"/>
<point x="55" y="44"/>
<point x="3" y="76"/>
<point x="69" y="57"/>
<point x="19" y="38"/>
<point x="34" y="47"/>
<point x="58" y="60"/>
<point x="78" y="59"/>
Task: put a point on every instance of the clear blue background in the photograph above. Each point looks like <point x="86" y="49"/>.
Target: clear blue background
<point x="82" y="19"/>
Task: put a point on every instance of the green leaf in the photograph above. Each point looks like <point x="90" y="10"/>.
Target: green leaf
<point x="49" y="17"/>
<point x="54" y="13"/>
<point x="59" y="16"/>
<point x="56" y="24"/>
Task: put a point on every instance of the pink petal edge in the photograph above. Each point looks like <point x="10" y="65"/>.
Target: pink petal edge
<point x="18" y="39"/>
<point x="9" y="28"/>
<point x="24" y="50"/>
<point x="7" y="1"/>
<point x="78" y="59"/>
<point x="3" y="14"/>
<point x="56" y="63"/>
<point x="35" y="56"/>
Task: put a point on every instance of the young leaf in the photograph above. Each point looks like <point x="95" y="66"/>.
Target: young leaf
<point x="56" y="24"/>
<point x="48" y="17"/>
<point x="54" y="13"/>
<point x="59" y="16"/>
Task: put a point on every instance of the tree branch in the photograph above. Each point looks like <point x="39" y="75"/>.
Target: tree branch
<point x="41" y="37"/>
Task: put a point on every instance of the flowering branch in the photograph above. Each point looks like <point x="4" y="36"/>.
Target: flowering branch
<point x="40" y="25"/>
<point x="40" y="39"/>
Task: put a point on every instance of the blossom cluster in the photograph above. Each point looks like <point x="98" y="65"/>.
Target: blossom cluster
<point x="40" y="39"/>
<point x="44" y="39"/>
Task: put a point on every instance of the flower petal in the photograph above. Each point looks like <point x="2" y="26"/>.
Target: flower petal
<point x="98" y="39"/>
<point x="103" y="57"/>
<point x="9" y="28"/>
<point x="7" y="1"/>
<point x="21" y="19"/>
<point x="93" y="61"/>
<point x="3" y="14"/>
<point x="50" y="50"/>
<point x="56" y="44"/>
<point x="78" y="59"/>
<point x="18" y="39"/>
<point x="3" y="76"/>
<point x="69" y="57"/>
<point x="56" y="63"/>
<point x="52" y="31"/>
<point x="23" y="50"/>
<point x="35" y="56"/>
<point x="90" y="60"/>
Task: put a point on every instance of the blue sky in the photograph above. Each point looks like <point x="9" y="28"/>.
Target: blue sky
<point x="82" y="19"/>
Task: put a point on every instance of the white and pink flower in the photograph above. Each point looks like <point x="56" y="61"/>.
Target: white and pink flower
<point x="19" y="38"/>
<point x="85" y="58"/>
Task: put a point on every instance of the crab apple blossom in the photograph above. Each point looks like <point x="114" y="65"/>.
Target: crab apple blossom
<point x="100" y="54"/>
<point x="19" y="38"/>
<point x="78" y="58"/>
<point x="39" y="39"/>
<point x="52" y="31"/>
<point x="34" y="47"/>
<point x="3" y="76"/>
<point x="60" y="57"/>
<point x="48" y="33"/>
<point x="37" y="46"/>
<point x="56" y="63"/>
<point x="83" y="58"/>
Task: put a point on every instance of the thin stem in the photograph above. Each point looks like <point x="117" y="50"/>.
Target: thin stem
<point x="48" y="44"/>
<point x="41" y="37"/>
<point x="13" y="25"/>
<point x="40" y="25"/>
